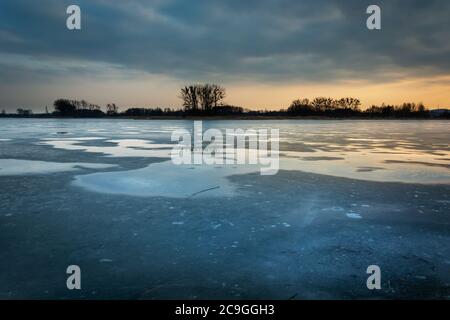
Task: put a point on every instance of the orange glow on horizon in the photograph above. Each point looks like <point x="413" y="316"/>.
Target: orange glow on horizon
<point x="159" y="91"/>
<point x="434" y="92"/>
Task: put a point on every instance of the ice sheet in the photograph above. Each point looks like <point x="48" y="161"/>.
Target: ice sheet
<point x="10" y="167"/>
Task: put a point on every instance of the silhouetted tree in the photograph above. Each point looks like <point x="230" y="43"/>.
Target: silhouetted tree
<point x="348" y="103"/>
<point x="405" y="110"/>
<point x="24" y="112"/>
<point x="204" y="97"/>
<point x="321" y="104"/>
<point x="300" y="107"/>
<point x="111" y="109"/>
<point x="189" y="95"/>
<point x="218" y="94"/>
<point x="65" y="107"/>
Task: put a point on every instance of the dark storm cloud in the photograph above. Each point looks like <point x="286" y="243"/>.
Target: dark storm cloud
<point x="265" y="40"/>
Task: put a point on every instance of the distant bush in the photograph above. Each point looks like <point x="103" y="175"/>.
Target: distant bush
<point x="325" y="106"/>
<point x="151" y="112"/>
<point x="24" y="112"/>
<point x="227" y="110"/>
<point x="75" y="108"/>
<point x="404" y="110"/>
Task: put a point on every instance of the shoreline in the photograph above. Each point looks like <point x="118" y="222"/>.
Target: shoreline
<point x="250" y="117"/>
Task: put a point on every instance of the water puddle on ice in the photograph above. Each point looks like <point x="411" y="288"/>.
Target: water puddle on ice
<point x="376" y="164"/>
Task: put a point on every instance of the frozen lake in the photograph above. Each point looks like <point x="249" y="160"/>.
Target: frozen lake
<point x="104" y="195"/>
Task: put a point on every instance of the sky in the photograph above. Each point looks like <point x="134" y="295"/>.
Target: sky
<point x="266" y="53"/>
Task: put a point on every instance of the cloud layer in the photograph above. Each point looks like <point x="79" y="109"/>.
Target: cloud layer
<point x="260" y="41"/>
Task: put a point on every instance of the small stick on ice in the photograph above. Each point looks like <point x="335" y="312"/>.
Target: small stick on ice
<point x="197" y="193"/>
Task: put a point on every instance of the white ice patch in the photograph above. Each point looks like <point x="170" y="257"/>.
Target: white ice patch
<point x="74" y="139"/>
<point x="353" y="215"/>
<point x="124" y="147"/>
<point x="166" y="180"/>
<point x="12" y="167"/>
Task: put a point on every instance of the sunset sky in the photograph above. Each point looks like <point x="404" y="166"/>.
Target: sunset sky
<point x="265" y="52"/>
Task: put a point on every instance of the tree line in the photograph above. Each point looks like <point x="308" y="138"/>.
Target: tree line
<point x="66" y="107"/>
<point x="351" y="107"/>
<point x="325" y="106"/>
<point x="208" y="100"/>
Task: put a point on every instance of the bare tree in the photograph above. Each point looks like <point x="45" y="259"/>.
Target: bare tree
<point x="218" y="94"/>
<point x="205" y="96"/>
<point x="189" y="95"/>
<point x="354" y="104"/>
<point x="111" y="109"/>
<point x="319" y="104"/>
